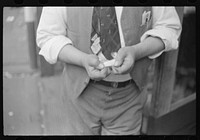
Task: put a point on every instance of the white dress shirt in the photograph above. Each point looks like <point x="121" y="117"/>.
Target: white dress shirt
<point x="51" y="32"/>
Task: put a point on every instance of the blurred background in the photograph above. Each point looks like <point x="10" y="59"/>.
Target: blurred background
<point x="32" y="88"/>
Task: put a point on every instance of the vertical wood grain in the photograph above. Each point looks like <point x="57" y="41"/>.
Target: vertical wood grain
<point x="164" y="79"/>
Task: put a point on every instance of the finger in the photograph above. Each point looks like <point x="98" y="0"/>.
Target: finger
<point x="123" y="68"/>
<point x="109" y="71"/>
<point x="119" y="58"/>
<point x="105" y="72"/>
<point x="100" y="66"/>
<point x="114" y="71"/>
<point x="114" y="54"/>
<point x="98" y="74"/>
<point x="95" y="75"/>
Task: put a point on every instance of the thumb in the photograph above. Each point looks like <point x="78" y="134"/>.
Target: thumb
<point x="93" y="61"/>
<point x="119" y="58"/>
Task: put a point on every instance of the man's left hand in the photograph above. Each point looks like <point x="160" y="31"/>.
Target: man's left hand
<point x="124" y="61"/>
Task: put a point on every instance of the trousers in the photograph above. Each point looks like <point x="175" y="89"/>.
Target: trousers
<point x="102" y="110"/>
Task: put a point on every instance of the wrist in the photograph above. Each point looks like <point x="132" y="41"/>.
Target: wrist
<point x="133" y="51"/>
<point x="84" y="60"/>
<point x="71" y="55"/>
<point x="137" y="51"/>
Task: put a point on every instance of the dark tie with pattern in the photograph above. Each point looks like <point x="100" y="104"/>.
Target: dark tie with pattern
<point x="104" y="24"/>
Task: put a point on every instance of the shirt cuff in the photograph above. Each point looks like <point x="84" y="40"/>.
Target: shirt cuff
<point x="169" y="39"/>
<point x="52" y="47"/>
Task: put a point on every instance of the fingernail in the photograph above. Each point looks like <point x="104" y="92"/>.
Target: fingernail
<point x="114" y="54"/>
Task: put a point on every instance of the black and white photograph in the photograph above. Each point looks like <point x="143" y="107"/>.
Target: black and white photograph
<point x="99" y="70"/>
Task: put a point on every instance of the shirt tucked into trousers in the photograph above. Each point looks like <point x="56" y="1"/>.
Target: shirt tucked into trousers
<point x="109" y="110"/>
<point x="91" y="108"/>
<point x="101" y="109"/>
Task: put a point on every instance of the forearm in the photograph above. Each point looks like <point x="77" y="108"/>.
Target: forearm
<point x="151" y="45"/>
<point x="166" y="26"/>
<point x="70" y="54"/>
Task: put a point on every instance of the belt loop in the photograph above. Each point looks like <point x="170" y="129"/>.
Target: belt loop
<point x="115" y="84"/>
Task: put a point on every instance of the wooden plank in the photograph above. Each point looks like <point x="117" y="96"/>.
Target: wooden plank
<point x="183" y="101"/>
<point x="165" y="68"/>
<point x="181" y="121"/>
<point x="32" y="45"/>
<point x="29" y="16"/>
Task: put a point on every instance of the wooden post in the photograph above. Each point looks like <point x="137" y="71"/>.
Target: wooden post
<point x="46" y="68"/>
<point x="29" y="15"/>
<point x="165" y="69"/>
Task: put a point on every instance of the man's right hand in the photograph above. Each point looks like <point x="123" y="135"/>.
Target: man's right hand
<point x="95" y="68"/>
<point x="71" y="55"/>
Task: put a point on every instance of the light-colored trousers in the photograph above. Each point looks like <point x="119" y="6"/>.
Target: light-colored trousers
<point x="101" y="110"/>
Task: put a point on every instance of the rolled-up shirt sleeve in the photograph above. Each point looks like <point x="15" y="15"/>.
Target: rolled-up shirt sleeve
<point x="166" y="26"/>
<point x="51" y="32"/>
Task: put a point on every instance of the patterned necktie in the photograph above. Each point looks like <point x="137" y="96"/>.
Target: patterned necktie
<point x="104" y="25"/>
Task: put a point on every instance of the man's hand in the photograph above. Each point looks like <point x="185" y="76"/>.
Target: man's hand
<point x="95" y="68"/>
<point x="124" y="61"/>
